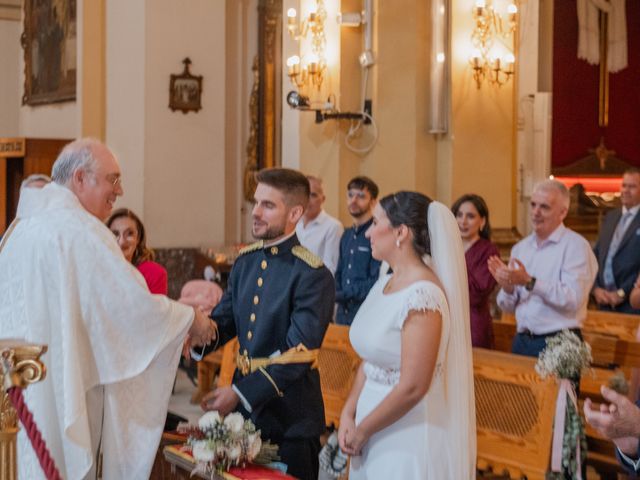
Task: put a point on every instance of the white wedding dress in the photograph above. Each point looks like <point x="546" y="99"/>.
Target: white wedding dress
<point x="415" y="446"/>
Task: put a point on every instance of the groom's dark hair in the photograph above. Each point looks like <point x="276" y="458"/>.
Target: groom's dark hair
<point x="292" y="183"/>
<point x="410" y="209"/>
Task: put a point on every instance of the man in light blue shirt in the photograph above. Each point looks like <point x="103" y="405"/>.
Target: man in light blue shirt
<point x="549" y="276"/>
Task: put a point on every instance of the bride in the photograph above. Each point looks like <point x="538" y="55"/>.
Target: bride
<point x="411" y="411"/>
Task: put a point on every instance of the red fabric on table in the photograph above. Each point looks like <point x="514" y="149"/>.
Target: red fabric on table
<point x="257" y="472"/>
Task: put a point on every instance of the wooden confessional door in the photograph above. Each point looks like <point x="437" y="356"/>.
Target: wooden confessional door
<point x="19" y="158"/>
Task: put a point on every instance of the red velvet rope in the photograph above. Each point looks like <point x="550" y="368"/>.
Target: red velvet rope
<point x="38" y="443"/>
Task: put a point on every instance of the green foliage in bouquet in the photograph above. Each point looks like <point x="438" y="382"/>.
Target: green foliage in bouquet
<point x="566" y="356"/>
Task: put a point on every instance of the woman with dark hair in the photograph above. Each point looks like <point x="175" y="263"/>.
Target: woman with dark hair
<point x="472" y="215"/>
<point x="411" y="411"/>
<point x="131" y="237"/>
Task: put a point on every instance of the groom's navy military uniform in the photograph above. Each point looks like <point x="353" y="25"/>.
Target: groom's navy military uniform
<point x="280" y="297"/>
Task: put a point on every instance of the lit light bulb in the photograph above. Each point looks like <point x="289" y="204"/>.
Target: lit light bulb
<point x="293" y="60"/>
<point x="440" y="57"/>
<point x="510" y="58"/>
<point x="442" y="10"/>
<point x="481" y="3"/>
<point x="512" y="8"/>
<point x="313" y="58"/>
<point x="291" y="13"/>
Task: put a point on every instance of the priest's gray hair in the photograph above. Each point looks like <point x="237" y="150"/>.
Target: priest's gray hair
<point x="36" y="177"/>
<point x="552" y="185"/>
<point x="75" y="155"/>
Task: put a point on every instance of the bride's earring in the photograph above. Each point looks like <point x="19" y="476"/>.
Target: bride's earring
<point x="398" y="242"/>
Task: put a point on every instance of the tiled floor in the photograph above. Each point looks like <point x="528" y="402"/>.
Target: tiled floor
<point x="180" y="399"/>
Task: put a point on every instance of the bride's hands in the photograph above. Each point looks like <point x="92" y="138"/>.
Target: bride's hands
<point x="350" y="438"/>
<point x="353" y="441"/>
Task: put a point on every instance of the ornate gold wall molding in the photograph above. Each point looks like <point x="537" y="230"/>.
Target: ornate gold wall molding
<point x="265" y="103"/>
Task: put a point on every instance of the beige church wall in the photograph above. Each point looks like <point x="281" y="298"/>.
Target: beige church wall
<point x="10" y="86"/>
<point x="479" y="149"/>
<point x="314" y="148"/>
<point x="125" y="97"/>
<point x="184" y="168"/>
<point x="404" y="155"/>
<point x="240" y="49"/>
<point x="477" y="155"/>
<point x="172" y="163"/>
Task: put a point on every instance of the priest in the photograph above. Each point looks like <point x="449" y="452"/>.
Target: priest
<point x="113" y="347"/>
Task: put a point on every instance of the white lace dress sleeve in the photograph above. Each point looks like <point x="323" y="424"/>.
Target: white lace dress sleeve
<point x="423" y="296"/>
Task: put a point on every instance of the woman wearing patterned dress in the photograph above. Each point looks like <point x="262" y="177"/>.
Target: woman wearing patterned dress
<point x="411" y="411"/>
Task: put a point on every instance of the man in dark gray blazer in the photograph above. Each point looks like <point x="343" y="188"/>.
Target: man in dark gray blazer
<point x="618" y="249"/>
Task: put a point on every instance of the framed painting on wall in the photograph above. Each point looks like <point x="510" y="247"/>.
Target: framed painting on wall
<point x="49" y="43"/>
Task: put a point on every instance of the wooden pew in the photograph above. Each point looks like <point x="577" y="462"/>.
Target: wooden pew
<point x="514" y="415"/>
<point x="620" y="325"/>
<point x="607" y="351"/>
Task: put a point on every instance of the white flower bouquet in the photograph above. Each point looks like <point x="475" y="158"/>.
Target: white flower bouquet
<point x="565" y="357"/>
<point x="218" y="443"/>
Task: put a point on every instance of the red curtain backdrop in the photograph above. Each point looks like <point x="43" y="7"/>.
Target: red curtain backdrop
<point x="575" y="93"/>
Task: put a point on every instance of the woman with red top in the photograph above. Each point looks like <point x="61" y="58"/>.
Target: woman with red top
<point x="129" y="232"/>
<point x="472" y="215"/>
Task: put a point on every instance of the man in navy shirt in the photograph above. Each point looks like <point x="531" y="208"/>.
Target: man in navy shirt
<point x="357" y="270"/>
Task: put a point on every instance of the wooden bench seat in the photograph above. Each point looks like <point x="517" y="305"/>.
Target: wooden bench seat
<point x="514" y="415"/>
<point x="607" y="351"/>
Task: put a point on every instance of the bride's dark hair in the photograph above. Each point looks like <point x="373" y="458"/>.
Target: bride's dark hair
<point x="410" y="209"/>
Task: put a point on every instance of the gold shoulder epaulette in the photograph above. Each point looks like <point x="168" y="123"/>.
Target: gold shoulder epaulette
<point x="252" y="248"/>
<point x="306" y="256"/>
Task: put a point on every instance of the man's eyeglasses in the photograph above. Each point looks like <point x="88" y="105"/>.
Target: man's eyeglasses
<point x="357" y="193"/>
<point x="114" y="179"/>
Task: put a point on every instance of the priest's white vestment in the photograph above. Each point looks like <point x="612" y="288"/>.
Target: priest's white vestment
<point x="113" y="346"/>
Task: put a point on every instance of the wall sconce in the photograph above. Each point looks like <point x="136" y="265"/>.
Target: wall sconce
<point x="489" y="27"/>
<point x="312" y="72"/>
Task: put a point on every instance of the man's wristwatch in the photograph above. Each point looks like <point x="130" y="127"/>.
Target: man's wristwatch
<point x="620" y="293"/>
<point x="530" y="284"/>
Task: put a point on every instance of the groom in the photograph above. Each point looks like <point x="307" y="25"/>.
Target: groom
<point x="279" y="303"/>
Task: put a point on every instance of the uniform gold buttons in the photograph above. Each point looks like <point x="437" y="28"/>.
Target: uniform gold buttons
<point x="246" y="352"/>
<point x="263" y="264"/>
<point x="252" y="317"/>
<point x="249" y="335"/>
<point x="274" y="250"/>
<point x="256" y="300"/>
<point x="260" y="281"/>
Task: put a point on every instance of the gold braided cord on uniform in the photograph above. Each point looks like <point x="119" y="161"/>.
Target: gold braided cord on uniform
<point x="298" y="354"/>
<point x="252" y="248"/>
<point x="306" y="256"/>
<point x="271" y="380"/>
